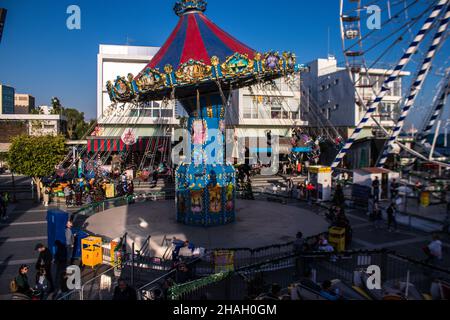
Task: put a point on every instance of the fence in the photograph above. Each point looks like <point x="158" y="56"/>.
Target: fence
<point x="250" y="281"/>
<point x="97" y="207"/>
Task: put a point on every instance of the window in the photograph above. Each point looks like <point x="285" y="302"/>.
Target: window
<point x="152" y="109"/>
<point x="250" y="107"/>
<point x="386" y="111"/>
<point x="276" y="112"/>
<point x="397" y="88"/>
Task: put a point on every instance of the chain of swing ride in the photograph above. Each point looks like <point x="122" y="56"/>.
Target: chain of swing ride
<point x="124" y="155"/>
<point x="262" y="87"/>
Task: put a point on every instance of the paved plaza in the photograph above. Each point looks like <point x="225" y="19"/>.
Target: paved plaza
<point x="259" y="224"/>
<point x="26" y="226"/>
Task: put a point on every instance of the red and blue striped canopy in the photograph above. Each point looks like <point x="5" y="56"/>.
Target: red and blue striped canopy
<point x="197" y="38"/>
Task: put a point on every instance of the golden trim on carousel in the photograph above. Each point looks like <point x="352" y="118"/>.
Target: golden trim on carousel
<point x="196" y="72"/>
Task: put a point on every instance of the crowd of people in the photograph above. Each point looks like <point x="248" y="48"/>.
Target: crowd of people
<point x="45" y="281"/>
<point x="79" y="192"/>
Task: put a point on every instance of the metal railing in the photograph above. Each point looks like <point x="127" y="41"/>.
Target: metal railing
<point x="250" y="281"/>
<point x="97" y="207"/>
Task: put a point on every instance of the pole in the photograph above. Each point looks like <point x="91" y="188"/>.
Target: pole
<point x="436" y="136"/>
<point x="405" y="199"/>
<point x="446" y="132"/>
<point x="14" y="199"/>
<point x="407" y="285"/>
<point x="416" y="86"/>
<point x="32" y="188"/>
<point x="132" y="264"/>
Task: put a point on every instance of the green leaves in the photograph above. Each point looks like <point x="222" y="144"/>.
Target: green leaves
<point x="36" y="156"/>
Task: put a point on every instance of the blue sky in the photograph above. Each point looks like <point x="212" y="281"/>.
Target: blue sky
<point x="40" y="56"/>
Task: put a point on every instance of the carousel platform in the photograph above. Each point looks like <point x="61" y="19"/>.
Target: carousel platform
<point x="259" y="224"/>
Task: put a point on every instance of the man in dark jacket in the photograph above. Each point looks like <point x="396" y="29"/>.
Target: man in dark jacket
<point x="60" y="262"/>
<point x="45" y="261"/>
<point x="123" y="292"/>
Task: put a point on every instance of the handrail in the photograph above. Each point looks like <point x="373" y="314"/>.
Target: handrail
<point x="156" y="280"/>
<point x="241" y="271"/>
<point x="68" y="294"/>
<point x="144" y="247"/>
<point x="167" y="274"/>
<point x="95" y="278"/>
<point x="97" y="204"/>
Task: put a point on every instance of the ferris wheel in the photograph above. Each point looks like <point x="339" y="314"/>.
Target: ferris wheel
<point x="375" y="34"/>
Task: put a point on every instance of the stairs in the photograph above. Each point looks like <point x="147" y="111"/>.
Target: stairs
<point x="261" y="183"/>
<point x="141" y="187"/>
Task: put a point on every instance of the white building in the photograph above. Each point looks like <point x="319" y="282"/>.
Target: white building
<point x="32" y="124"/>
<point x="330" y="90"/>
<point x="258" y="109"/>
<point x="255" y="110"/>
<point x="113" y="61"/>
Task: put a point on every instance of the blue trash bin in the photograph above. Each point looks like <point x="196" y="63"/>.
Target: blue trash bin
<point x="56" y="228"/>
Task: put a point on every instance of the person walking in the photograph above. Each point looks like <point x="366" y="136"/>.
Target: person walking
<point x="46" y="196"/>
<point x="391" y="216"/>
<point x="298" y="245"/>
<point x="44" y="261"/>
<point x="70" y="241"/>
<point x="376" y="189"/>
<point x="339" y="197"/>
<point x="310" y="192"/>
<point x="290" y="187"/>
<point x="67" y="195"/>
<point x="299" y="168"/>
<point x="4" y="199"/>
<point x="394" y="189"/>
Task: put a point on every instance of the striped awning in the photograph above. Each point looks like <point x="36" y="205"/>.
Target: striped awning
<point x="117" y="145"/>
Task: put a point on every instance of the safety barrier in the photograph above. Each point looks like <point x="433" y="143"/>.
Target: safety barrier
<point x="107" y="204"/>
<point x="250" y="281"/>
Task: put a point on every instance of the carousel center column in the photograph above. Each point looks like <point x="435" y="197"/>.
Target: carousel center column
<point x="205" y="186"/>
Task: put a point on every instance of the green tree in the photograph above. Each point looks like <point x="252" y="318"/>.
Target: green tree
<point x="56" y="105"/>
<point x="36" y="157"/>
<point x="84" y="128"/>
<point x="75" y="123"/>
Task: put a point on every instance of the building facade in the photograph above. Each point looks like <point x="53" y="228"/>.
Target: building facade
<point x="12" y="125"/>
<point x="6" y="99"/>
<point x="331" y="91"/>
<point x="146" y="119"/>
<point x="23" y="103"/>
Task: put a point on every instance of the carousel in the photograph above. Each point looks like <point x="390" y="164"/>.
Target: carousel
<point x="200" y="65"/>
